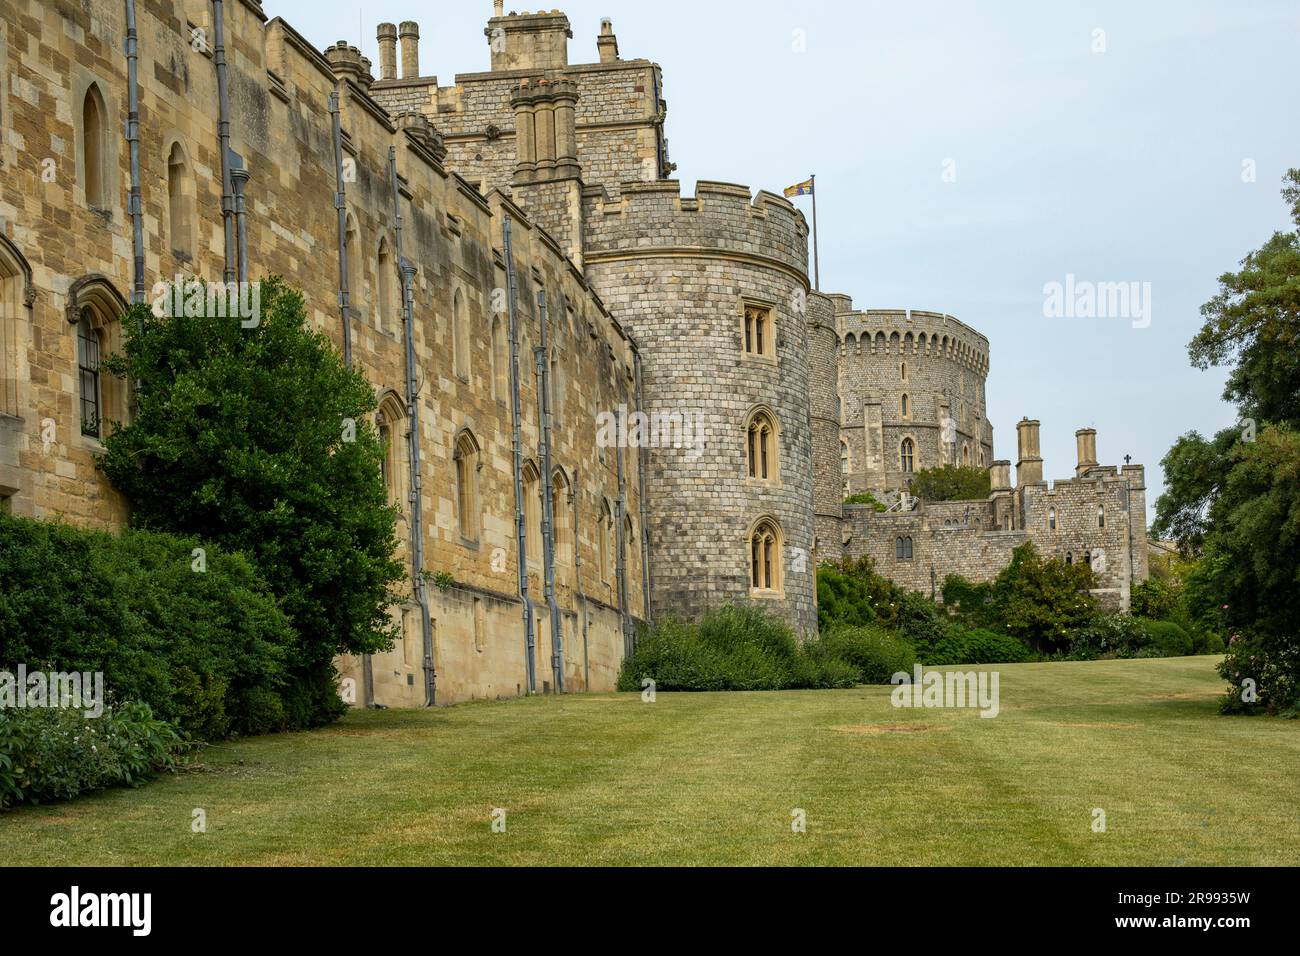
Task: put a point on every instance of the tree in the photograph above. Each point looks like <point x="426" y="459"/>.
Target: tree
<point x="1253" y="325"/>
<point x="1041" y="600"/>
<point x="1235" y="498"/>
<point x="259" y="439"/>
<point x="951" y="483"/>
<point x="1195" y="472"/>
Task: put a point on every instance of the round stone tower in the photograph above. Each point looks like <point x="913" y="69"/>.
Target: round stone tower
<point x="714" y="289"/>
<point x="912" y="395"/>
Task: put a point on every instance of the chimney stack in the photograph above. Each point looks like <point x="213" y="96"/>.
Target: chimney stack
<point x="499" y="8"/>
<point x="1000" y="476"/>
<point x="607" y="43"/>
<point x="410" y="35"/>
<point x="1029" y="469"/>
<point x="387" y="35"/>
<point x="1086" y="440"/>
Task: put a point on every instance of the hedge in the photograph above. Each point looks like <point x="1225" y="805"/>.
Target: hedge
<point x="199" y="639"/>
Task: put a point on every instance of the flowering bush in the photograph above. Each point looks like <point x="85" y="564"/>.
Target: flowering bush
<point x="1264" y="674"/>
<point x="56" y="753"/>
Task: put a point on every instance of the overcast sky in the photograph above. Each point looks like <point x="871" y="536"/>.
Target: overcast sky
<point x="969" y="154"/>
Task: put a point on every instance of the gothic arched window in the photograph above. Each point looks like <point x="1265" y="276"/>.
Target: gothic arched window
<point x="94" y="148"/>
<point x="765" y="556"/>
<point x="467" y="465"/>
<point x="906" y="455"/>
<point x="761" y="446"/>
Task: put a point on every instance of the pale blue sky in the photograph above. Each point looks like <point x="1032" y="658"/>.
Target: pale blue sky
<point x="1124" y="165"/>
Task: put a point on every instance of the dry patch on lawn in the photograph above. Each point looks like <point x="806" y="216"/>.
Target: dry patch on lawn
<point x="885" y="728"/>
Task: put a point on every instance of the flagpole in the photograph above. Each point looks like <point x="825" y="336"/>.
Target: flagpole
<point x="817" y="267"/>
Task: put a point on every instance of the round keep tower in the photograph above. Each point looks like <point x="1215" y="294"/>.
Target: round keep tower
<point x="912" y="394"/>
<point x="714" y="289"/>
<point x="824" y="416"/>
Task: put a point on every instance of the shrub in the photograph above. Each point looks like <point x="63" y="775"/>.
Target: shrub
<point x="865" y="498"/>
<point x="852" y="594"/>
<point x="1042" y="600"/>
<point x="56" y="753"/>
<point x="1207" y="642"/>
<point x="1108" y="634"/>
<point x="971" y="602"/>
<point x="1272" y="667"/>
<point x="1156" y="599"/>
<point x="204" y="649"/>
<point x="1166" y="639"/>
<point x="872" y="653"/>
<point x="732" y="648"/>
<point x="977" y="646"/>
<point x="951" y="483"/>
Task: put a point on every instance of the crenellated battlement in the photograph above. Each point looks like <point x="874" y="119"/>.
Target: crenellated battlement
<point x="914" y="332"/>
<point x="649" y="217"/>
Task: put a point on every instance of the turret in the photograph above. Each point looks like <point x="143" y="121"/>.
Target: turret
<point x="529" y="41"/>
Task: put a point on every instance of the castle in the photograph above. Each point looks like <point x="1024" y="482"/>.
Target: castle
<point x="555" y="276"/>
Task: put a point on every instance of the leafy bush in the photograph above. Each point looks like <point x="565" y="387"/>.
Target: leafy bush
<point x="1207" y="642"/>
<point x="1042" y="600"/>
<point x="951" y="483"/>
<point x="261" y="440"/>
<point x="56" y="753"/>
<point x="1166" y="639"/>
<point x="921" y="622"/>
<point x="1271" y="665"/>
<point x="865" y="498"/>
<point x="732" y="648"/>
<point x="977" y="646"/>
<point x="971" y="602"/>
<point x="1108" y="634"/>
<point x="852" y="594"/>
<point x="1156" y="599"/>
<point x="205" y="649"/>
<point x="873" y="653"/>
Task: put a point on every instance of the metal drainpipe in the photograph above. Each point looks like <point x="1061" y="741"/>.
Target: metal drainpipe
<point x="541" y="357"/>
<point x="641" y="506"/>
<point x="413" y="440"/>
<point x="133" y="139"/>
<point x="340" y="204"/>
<point x="223" y="135"/>
<point x="516" y="443"/>
<point x="239" y="177"/>
<point x="621" y="567"/>
<point x="345" y="309"/>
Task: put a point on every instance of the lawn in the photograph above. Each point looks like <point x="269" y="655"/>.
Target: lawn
<point x="713" y="779"/>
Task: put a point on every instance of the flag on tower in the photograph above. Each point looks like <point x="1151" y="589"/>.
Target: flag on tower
<point x="804" y="188"/>
<point x="807" y="188"/>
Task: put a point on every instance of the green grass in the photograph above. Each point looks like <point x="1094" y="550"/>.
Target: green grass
<point x="712" y="779"/>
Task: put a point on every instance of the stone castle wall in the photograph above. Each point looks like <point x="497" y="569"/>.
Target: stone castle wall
<point x="78" y="257"/>
<point x="966" y="537"/>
